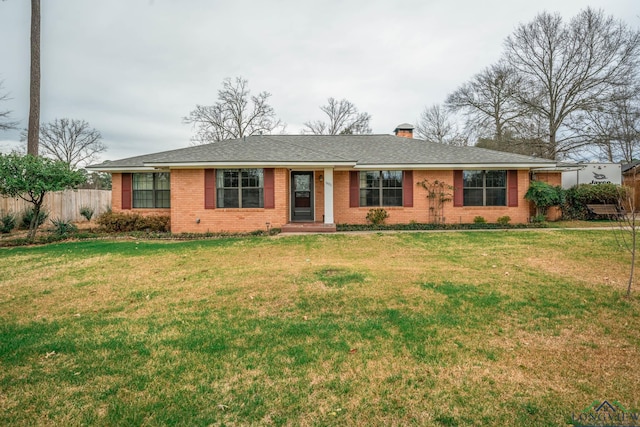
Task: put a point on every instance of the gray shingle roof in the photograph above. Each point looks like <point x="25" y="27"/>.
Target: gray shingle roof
<point x="352" y="150"/>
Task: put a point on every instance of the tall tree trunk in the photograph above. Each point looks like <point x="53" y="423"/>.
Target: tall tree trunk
<point x="33" y="134"/>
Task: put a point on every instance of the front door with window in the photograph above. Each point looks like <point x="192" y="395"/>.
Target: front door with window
<point x="302" y="196"/>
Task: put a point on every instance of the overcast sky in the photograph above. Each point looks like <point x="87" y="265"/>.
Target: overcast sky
<point x="134" y="68"/>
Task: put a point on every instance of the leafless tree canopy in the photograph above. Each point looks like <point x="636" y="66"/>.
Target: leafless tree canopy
<point x="343" y="119"/>
<point x="489" y="102"/>
<point x="5" y="115"/>
<point x="71" y="141"/>
<point x="435" y="125"/>
<point x="34" y="96"/>
<point x="612" y="130"/>
<point x="568" y="68"/>
<point x="236" y="114"/>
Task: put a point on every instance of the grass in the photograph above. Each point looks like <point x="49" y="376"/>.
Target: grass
<point x="453" y="329"/>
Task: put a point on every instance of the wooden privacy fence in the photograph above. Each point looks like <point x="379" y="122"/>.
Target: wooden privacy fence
<point x="63" y="205"/>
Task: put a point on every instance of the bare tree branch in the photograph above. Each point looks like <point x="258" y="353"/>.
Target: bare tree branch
<point x="236" y="114"/>
<point x="71" y="141"/>
<point x="5" y="115"/>
<point x="435" y="125"/>
<point x="344" y="119"/>
<point x="571" y="68"/>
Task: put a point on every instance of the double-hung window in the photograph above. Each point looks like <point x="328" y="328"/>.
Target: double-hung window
<point x="381" y="188"/>
<point x="240" y="188"/>
<point x="485" y="187"/>
<point x="151" y="190"/>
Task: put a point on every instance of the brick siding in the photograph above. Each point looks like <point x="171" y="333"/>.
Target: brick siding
<point x="187" y="204"/>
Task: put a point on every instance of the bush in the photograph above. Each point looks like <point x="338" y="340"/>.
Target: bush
<point x="377" y="216"/>
<point x="544" y="196"/>
<point x="63" y="228"/>
<point x="28" y="214"/>
<point x="538" y="219"/>
<point x="578" y="197"/>
<point x="116" y="222"/>
<point x="7" y="222"/>
<point x="479" y="220"/>
<point x="504" y="220"/>
<point x="87" y="212"/>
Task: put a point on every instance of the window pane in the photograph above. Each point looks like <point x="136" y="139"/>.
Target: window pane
<point x="391" y="179"/>
<point x="143" y="181"/>
<point x="392" y="197"/>
<point x="227" y="178"/>
<point x="473" y="197"/>
<point x="370" y="179"/>
<point x="252" y="178"/>
<point x="252" y="198"/>
<point x="369" y="197"/>
<point x="472" y="179"/>
<point x="496" y="179"/>
<point x="163" y="199"/>
<point x="496" y="197"/>
<point x="162" y="181"/>
<point x="228" y="198"/>
<point x="142" y="198"/>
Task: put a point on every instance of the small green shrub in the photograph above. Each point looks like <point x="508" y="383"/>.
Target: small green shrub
<point x="27" y="216"/>
<point x="504" y="220"/>
<point x="544" y="196"/>
<point x="538" y="219"/>
<point x="479" y="220"/>
<point x="377" y="216"/>
<point x="63" y="227"/>
<point x="117" y="222"/>
<point x="87" y="212"/>
<point x="7" y="222"/>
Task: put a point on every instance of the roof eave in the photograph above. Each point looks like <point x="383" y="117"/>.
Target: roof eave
<point x="450" y="166"/>
<point x="246" y="164"/>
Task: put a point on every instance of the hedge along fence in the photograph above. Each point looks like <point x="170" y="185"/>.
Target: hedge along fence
<point x="63" y="205"/>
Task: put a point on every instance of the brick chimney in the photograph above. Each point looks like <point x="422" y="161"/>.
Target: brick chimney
<point x="405" y="130"/>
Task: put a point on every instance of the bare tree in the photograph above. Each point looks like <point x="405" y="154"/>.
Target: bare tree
<point x="571" y="68"/>
<point x="613" y="129"/>
<point x="489" y="103"/>
<point x="343" y="119"/>
<point x="236" y="114"/>
<point x="34" y="93"/>
<point x="628" y="223"/>
<point x="5" y="115"/>
<point x="436" y="125"/>
<point x="71" y="141"/>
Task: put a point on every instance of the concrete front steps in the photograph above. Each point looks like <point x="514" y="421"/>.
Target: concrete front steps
<point x="308" y="227"/>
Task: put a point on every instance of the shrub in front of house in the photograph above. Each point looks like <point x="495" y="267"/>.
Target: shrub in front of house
<point x="479" y="220"/>
<point x="119" y="222"/>
<point x="577" y="198"/>
<point x="504" y="220"/>
<point x="377" y="216"/>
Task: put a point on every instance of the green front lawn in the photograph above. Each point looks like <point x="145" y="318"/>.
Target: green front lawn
<point x="467" y="328"/>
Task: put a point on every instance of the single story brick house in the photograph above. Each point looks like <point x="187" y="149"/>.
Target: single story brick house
<point x="283" y="181"/>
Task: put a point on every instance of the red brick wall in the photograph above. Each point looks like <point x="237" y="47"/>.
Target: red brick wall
<point x="187" y="204"/>
<point x="116" y="199"/>
<point x="419" y="212"/>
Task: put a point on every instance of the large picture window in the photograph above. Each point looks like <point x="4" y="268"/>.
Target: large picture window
<point x="485" y="188"/>
<point x="381" y="188"/>
<point x="240" y="188"/>
<point x="151" y="190"/>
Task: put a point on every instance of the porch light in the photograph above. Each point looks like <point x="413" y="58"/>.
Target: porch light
<point x="320" y="178"/>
